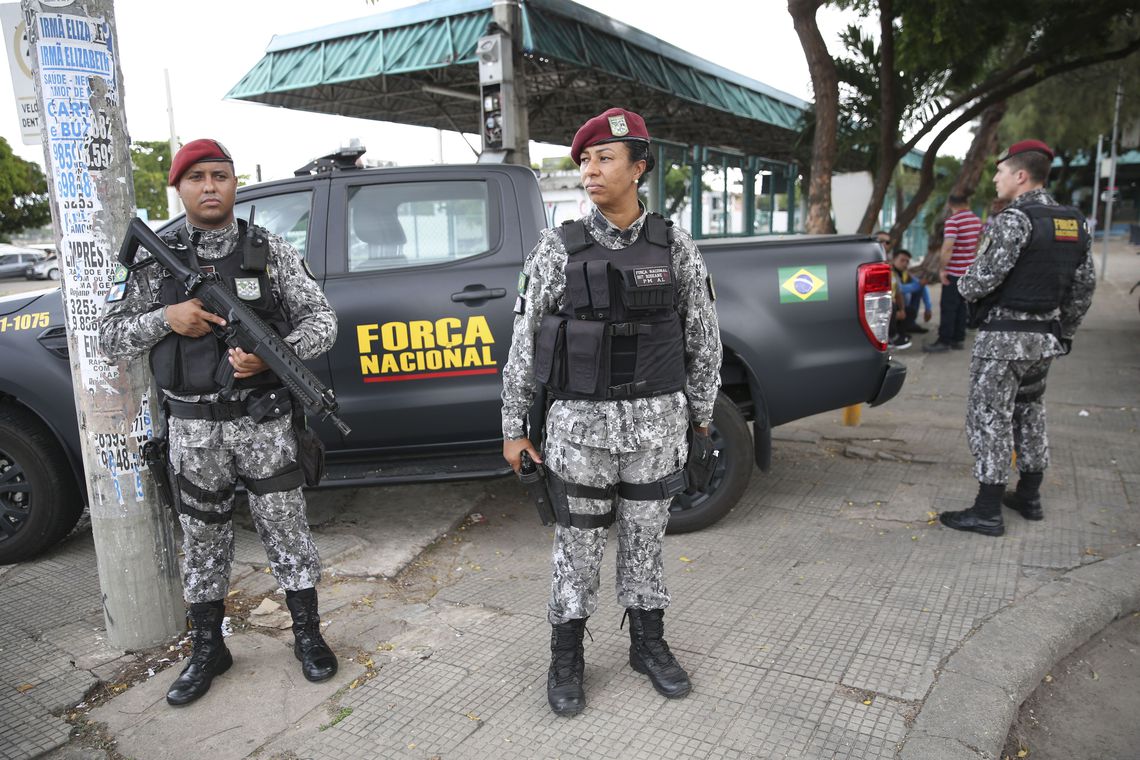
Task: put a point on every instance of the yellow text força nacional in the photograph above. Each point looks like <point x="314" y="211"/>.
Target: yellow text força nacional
<point x="425" y="346"/>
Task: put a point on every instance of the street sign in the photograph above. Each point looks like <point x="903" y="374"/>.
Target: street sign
<point x="20" y="64"/>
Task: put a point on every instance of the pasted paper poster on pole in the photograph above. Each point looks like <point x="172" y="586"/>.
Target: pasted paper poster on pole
<point x="20" y="65"/>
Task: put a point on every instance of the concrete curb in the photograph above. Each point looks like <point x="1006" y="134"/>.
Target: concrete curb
<point x="969" y="709"/>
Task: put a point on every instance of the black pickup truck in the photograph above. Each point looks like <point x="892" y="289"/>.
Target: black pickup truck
<point x="421" y="265"/>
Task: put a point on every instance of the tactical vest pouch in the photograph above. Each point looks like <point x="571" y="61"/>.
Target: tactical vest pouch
<point x="548" y="350"/>
<point x="661" y="354"/>
<point x="584" y="341"/>
<point x="647" y="287"/>
<point x="577" y="286"/>
<point x="187" y="365"/>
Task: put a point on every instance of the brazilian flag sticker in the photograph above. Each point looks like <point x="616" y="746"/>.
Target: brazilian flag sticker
<point x="802" y="284"/>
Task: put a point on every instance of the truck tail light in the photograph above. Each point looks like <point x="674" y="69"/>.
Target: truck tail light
<point x="875" y="297"/>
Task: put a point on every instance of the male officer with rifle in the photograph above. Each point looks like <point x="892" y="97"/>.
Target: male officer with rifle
<point x="229" y="416"/>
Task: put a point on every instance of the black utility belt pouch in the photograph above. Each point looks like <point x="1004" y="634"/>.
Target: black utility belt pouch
<point x="310" y="455"/>
<point x="702" y="460"/>
<point x="267" y="404"/>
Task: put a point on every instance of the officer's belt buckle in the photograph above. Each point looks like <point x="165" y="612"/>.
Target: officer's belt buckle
<point x="628" y="389"/>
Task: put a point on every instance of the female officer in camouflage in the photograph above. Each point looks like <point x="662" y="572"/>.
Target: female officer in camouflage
<point x="616" y="319"/>
<point x="214" y="441"/>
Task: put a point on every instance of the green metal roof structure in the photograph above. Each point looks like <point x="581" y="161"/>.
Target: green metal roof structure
<point x="400" y="66"/>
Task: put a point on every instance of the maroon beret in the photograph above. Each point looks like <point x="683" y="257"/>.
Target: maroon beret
<point x="1027" y="146"/>
<point x="195" y="152"/>
<point x="614" y="125"/>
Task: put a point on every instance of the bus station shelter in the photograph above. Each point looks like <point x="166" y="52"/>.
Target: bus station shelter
<point x="418" y="66"/>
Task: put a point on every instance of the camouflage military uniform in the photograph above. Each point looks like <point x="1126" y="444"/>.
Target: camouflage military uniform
<point x="210" y="454"/>
<point x="599" y="443"/>
<point x="996" y="422"/>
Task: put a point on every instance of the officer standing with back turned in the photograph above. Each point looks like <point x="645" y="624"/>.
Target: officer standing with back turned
<point x="615" y="317"/>
<point x="1029" y="288"/>
<point x="228" y="417"/>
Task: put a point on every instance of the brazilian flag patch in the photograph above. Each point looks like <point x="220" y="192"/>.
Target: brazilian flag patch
<point x="802" y="284"/>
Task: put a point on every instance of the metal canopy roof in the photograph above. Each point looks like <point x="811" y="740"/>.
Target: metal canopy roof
<point x="393" y="66"/>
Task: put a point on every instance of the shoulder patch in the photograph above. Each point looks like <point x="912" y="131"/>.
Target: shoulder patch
<point x="122" y="274"/>
<point x="117" y="292"/>
<point x="523" y="281"/>
<point x="520" y="305"/>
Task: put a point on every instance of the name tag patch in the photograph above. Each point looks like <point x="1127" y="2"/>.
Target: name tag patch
<point x="1065" y="230"/>
<point x="651" y="277"/>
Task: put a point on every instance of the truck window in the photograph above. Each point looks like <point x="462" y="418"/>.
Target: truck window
<point x="285" y="215"/>
<point x="403" y="224"/>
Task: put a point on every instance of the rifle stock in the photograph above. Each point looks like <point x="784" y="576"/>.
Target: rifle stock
<point x="243" y="329"/>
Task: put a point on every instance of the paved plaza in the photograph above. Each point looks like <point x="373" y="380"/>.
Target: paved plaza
<point x="828" y="616"/>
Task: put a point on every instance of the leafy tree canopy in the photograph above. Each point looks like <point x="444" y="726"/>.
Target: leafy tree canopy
<point x="150" y="160"/>
<point x="24" y="200"/>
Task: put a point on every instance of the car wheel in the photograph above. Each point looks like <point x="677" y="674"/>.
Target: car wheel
<point x="53" y="274"/>
<point x="39" y="500"/>
<point x="693" y="510"/>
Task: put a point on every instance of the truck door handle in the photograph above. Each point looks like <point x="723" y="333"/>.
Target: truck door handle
<point x="478" y="293"/>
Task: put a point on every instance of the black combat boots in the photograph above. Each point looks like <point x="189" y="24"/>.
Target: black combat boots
<point x="209" y="657"/>
<point x="1026" y="500"/>
<point x="649" y="654"/>
<point x="984" y="517"/>
<point x="318" y="662"/>
<point x="567" y="667"/>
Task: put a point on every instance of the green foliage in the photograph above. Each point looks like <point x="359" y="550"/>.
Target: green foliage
<point x="676" y="188"/>
<point x="150" y="162"/>
<point x="24" y="202"/>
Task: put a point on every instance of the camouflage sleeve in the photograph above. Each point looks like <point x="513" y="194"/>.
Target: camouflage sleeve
<point x="313" y="319"/>
<point x="1080" y="295"/>
<point x="132" y="326"/>
<point x="702" y="330"/>
<point x="545" y="283"/>
<point x="997" y="254"/>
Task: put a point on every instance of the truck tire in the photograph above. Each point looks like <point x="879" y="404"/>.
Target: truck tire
<point x="39" y="500"/>
<point x="693" y="510"/>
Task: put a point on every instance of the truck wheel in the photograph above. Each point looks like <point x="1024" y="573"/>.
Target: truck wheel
<point x="39" y="501"/>
<point x="693" y="510"/>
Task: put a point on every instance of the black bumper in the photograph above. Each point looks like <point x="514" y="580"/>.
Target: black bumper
<point x="894" y="374"/>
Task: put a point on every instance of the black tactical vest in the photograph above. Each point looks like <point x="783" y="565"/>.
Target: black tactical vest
<point x="190" y="366"/>
<point x="619" y="334"/>
<point x="1044" y="271"/>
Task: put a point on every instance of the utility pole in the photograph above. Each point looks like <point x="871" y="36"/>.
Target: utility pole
<point x="173" y="200"/>
<point x="504" y="122"/>
<point x="1096" y="179"/>
<point x="1111" y="176"/>
<point x="79" y="88"/>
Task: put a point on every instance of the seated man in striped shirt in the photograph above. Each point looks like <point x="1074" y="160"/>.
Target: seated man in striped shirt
<point x="959" y="245"/>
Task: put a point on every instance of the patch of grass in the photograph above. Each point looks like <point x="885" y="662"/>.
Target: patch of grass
<point x="341" y="714"/>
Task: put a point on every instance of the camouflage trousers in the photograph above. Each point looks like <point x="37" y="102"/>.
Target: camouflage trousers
<point x="211" y="455"/>
<point x="1000" y="420"/>
<point x="596" y="451"/>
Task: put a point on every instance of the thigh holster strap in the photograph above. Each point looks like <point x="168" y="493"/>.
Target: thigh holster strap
<point x="666" y="488"/>
<point x="286" y="480"/>
<point x="1032" y="387"/>
<point x="560" y="490"/>
<point x="201" y="494"/>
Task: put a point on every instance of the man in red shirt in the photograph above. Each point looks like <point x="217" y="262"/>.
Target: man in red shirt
<point x="959" y="245"/>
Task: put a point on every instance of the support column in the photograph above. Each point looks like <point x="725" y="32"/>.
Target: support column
<point x="696" y="163"/>
<point x="508" y="15"/>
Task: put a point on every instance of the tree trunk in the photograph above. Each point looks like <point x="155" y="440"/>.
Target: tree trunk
<point x="825" y="85"/>
<point x="888" y="119"/>
<point x="983" y="146"/>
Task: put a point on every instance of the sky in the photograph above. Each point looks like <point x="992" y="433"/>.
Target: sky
<point x="207" y="46"/>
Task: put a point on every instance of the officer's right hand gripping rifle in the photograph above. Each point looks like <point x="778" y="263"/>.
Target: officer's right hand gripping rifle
<point x="243" y="328"/>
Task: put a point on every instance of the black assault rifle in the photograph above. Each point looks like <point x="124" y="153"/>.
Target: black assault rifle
<point x="243" y="328"/>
